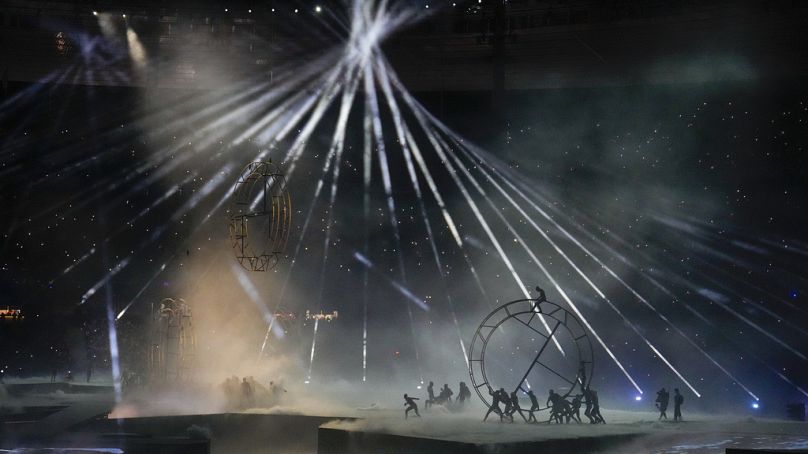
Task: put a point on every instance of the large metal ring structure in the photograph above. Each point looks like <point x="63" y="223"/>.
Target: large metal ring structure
<point x="262" y="216"/>
<point x="532" y="314"/>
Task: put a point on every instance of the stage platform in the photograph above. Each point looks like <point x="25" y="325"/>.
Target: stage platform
<point x="57" y="419"/>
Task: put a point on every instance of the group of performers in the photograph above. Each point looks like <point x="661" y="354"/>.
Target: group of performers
<point x="444" y="396"/>
<point x="561" y="409"/>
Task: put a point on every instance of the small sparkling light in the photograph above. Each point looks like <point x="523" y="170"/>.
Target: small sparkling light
<point x="295" y="10"/>
<point x="317" y="9"/>
<point x="638" y="398"/>
<point x="249" y="11"/>
<point x="95" y="13"/>
<point x="123" y="15"/>
<point x="755" y="405"/>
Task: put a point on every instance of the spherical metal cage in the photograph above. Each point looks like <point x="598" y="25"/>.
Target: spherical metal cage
<point x="261" y="217"/>
<point x="546" y="320"/>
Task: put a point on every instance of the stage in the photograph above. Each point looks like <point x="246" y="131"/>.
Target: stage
<point x="76" y="418"/>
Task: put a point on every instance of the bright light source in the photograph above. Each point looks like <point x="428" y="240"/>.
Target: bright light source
<point x="755" y="405"/>
<point x="123" y="15"/>
<point x="226" y="10"/>
<point x="418" y="387"/>
<point x="249" y="11"/>
<point x="638" y="398"/>
<point x="273" y="10"/>
<point x="427" y="6"/>
<point x="95" y="13"/>
<point x="317" y="9"/>
<point x="295" y="10"/>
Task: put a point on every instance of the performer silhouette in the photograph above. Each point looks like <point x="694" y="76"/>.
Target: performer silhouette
<point x="494" y="408"/>
<point x="411" y="405"/>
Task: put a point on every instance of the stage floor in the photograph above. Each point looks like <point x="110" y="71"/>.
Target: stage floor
<point x="77" y="418"/>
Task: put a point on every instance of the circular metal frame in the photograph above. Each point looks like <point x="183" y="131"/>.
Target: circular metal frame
<point x="260" y="192"/>
<point x="546" y="315"/>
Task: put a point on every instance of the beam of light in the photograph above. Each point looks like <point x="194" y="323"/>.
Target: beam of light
<point x="670" y="294"/>
<point x="403" y="290"/>
<point x="450" y="224"/>
<point x="713" y="296"/>
<point x="112" y="332"/>
<point x="367" y="174"/>
<point x="136" y="51"/>
<point x="313" y="345"/>
<point x="370" y="92"/>
<point x="109" y="275"/>
<point x="337" y="143"/>
<point x="585" y="277"/>
<point x="143" y="289"/>
<point x="698" y="270"/>
<point x="339" y="133"/>
<point x="580" y="272"/>
<point x="276" y="92"/>
<point x="720" y="301"/>
<point x="189" y="205"/>
<point x="745" y="351"/>
<point x="470" y="201"/>
<point x="406" y="141"/>
<point x="255" y="296"/>
<point x="417" y="110"/>
<point x="704" y="319"/>
<point x="128" y="224"/>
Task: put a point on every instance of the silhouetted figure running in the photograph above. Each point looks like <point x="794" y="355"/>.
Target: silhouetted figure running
<point x="430" y="391"/>
<point x="494" y="408"/>
<point x="662" y="400"/>
<point x="596" y="408"/>
<point x="678" y="400"/>
<point x="409" y="402"/>
<point x="515" y="407"/>
<point x="534" y="407"/>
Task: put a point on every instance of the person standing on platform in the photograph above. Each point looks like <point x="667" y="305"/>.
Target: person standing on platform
<point x="662" y="400"/>
<point x="596" y="408"/>
<point x="430" y="391"/>
<point x="678" y="400"/>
